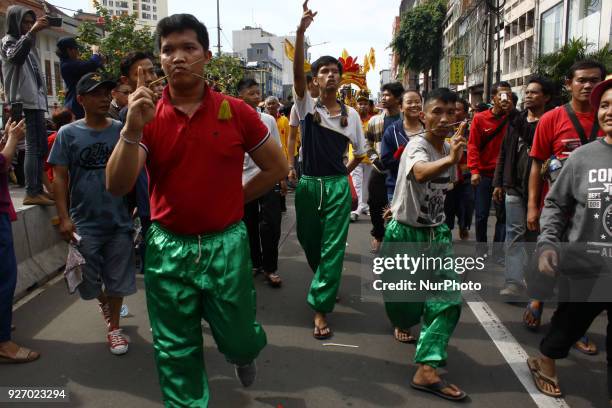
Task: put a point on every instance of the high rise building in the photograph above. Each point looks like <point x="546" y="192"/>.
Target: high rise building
<point x="149" y="11"/>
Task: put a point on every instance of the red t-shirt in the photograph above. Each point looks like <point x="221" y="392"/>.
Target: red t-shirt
<point x="483" y="125"/>
<point x="556" y="135"/>
<point x="195" y="165"/>
<point x="49" y="168"/>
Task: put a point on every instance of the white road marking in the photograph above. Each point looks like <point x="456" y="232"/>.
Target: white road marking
<point x="510" y="349"/>
<point x="340" y="345"/>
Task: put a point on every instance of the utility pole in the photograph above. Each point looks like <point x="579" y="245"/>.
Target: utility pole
<point x="488" y="78"/>
<point x="218" y="32"/>
<point x="497" y="28"/>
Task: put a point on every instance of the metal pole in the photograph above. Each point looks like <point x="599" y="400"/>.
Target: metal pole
<point x="218" y="32"/>
<point x="498" y="71"/>
<point x="489" y="55"/>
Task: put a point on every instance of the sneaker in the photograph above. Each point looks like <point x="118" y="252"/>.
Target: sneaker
<point x="511" y="290"/>
<point x="246" y="373"/>
<point x="117" y="342"/>
<point x="106" y="312"/>
<point x="354" y="216"/>
<point x="37" y="200"/>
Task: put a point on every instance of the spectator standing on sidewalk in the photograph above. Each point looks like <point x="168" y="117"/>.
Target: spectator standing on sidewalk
<point x="73" y="68"/>
<point x="24" y="83"/>
<point x="10" y="352"/>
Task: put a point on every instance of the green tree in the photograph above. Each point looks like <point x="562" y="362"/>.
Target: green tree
<point x="225" y="72"/>
<point x="122" y="35"/>
<point x="418" y="42"/>
<point x="556" y="64"/>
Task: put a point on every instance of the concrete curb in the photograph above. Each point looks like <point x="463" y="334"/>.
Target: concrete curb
<point x="40" y="251"/>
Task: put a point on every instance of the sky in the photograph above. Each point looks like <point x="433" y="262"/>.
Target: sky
<point x="341" y="24"/>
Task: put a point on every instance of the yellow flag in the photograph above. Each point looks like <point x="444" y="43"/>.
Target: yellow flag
<point x="366" y="64"/>
<point x="289" y="50"/>
<point x="345" y="54"/>
<point x="372" y="58"/>
<point x="457" y="70"/>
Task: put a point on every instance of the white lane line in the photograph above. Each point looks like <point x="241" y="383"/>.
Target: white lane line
<point x="511" y="350"/>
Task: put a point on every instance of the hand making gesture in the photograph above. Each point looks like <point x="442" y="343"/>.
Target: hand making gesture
<point x="458" y="143"/>
<point x="141" y="105"/>
<point x="307" y="17"/>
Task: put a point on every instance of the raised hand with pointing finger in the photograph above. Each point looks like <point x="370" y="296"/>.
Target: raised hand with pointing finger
<point x="141" y="106"/>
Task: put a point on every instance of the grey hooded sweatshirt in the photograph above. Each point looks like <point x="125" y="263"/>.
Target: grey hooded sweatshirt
<point x="578" y="208"/>
<point x="21" y="68"/>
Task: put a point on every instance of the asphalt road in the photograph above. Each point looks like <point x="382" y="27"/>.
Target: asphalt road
<point x="295" y="370"/>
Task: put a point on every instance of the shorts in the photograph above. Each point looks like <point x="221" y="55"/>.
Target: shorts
<point x="109" y="262"/>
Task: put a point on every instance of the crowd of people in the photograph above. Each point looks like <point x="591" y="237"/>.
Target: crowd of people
<point x="146" y="147"/>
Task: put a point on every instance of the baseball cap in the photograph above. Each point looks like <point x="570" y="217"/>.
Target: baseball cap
<point x="598" y="92"/>
<point x="92" y="81"/>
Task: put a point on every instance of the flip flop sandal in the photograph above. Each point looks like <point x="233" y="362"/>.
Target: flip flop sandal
<point x="23" y="355"/>
<point x="317" y="333"/>
<point x="436" y="389"/>
<point x="586" y="350"/>
<point x="410" y="339"/>
<point x="536" y="313"/>
<point x="537" y="374"/>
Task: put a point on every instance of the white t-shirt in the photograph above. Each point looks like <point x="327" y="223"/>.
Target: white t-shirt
<point x="249" y="168"/>
<point x="421" y="204"/>
<point x="294" y="120"/>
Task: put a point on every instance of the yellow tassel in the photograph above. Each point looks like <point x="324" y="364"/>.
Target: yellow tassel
<point x="225" y="112"/>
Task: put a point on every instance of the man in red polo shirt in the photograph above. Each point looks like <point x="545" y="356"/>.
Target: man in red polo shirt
<point x="486" y="135"/>
<point x="557" y="135"/>
<point x="197" y="261"/>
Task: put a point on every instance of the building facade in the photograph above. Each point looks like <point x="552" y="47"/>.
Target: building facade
<point x="244" y="39"/>
<point x="149" y="11"/>
<point x="265" y="69"/>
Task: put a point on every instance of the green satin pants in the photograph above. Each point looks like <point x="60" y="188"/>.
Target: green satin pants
<point x="439" y="311"/>
<point x="323" y="208"/>
<point x="188" y="278"/>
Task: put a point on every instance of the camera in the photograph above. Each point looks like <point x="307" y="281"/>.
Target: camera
<point x="54" y="21"/>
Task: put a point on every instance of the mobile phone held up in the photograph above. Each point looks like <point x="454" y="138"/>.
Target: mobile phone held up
<point x="16" y="111"/>
<point x="54" y="21"/>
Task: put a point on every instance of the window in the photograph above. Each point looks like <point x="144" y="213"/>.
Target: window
<point x="110" y="3"/>
<point x="135" y="6"/>
<point x="48" y="77"/>
<point x="154" y="16"/>
<point x="584" y="20"/>
<point x="104" y="3"/>
<point x="550" y="29"/>
<point x="58" y="77"/>
<point x="146" y="7"/>
<point x="146" y="16"/>
<point x="155" y="8"/>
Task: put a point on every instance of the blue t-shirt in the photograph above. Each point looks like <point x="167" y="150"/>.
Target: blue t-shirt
<point x="85" y="152"/>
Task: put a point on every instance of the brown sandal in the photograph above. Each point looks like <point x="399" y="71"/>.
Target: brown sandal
<point x="23" y="355"/>
<point x="538" y="376"/>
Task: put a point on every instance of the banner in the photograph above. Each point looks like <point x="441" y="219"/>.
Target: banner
<point x="457" y="70"/>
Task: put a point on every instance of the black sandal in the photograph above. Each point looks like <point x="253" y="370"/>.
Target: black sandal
<point x="436" y="389"/>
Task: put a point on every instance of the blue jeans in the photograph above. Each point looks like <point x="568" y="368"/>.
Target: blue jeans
<point x="8" y="277"/>
<point x="516" y="229"/>
<point x="483" y="194"/>
<point x="36" y="150"/>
